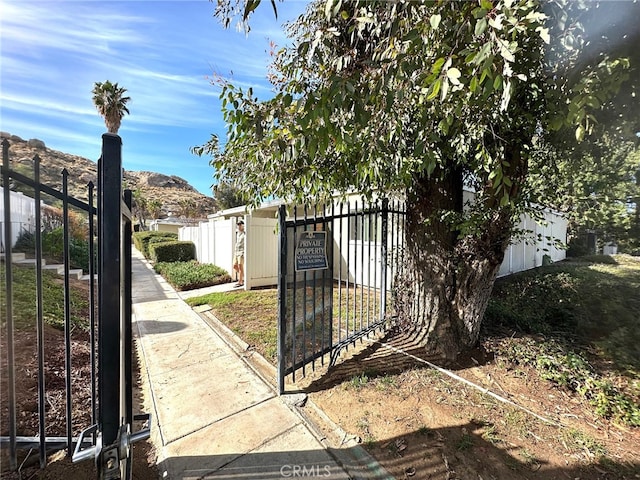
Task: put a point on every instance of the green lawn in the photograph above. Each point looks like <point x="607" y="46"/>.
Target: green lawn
<point x="577" y="323"/>
<point x="25" y="295"/>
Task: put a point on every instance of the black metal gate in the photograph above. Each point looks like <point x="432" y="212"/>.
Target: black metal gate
<point x="336" y="271"/>
<point x="106" y="432"/>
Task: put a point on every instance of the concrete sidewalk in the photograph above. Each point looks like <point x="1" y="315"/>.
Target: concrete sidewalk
<point x="213" y="415"/>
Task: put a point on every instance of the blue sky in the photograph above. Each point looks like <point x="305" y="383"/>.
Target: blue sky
<point x="162" y="52"/>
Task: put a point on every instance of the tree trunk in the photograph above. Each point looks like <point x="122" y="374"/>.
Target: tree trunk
<point x="448" y="278"/>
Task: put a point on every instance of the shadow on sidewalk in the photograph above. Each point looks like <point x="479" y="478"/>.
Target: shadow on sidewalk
<point x="421" y="454"/>
<point x="151" y="327"/>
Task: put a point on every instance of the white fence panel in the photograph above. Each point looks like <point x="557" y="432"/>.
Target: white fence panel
<point x="23" y="215"/>
<point x="191" y="234"/>
<point x="206" y="243"/>
<point x="261" y="252"/>
<point x="214" y="241"/>
<point x="222" y="242"/>
<point x="541" y="240"/>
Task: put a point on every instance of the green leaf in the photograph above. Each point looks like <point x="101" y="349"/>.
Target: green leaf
<point x="454" y="75"/>
<point x="496" y="22"/>
<point x="444" y="126"/>
<point x="580" y="133"/>
<point x="328" y="8"/>
<point x="435" y="88"/>
<point x="474" y="84"/>
<point x="444" y="89"/>
<point x="497" y="82"/>
<point x="480" y="12"/>
<point x="544" y="34"/>
<point x="249" y="7"/>
<point x="556" y="122"/>
<point x="481" y="26"/>
<point x="437" y="65"/>
<point x="435" y="21"/>
<point x="505" y="52"/>
<point x="593" y="101"/>
<point x="483" y="53"/>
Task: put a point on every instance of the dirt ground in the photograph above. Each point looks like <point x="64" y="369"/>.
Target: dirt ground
<point x="59" y="466"/>
<point x="418" y="422"/>
<point x="421" y="423"/>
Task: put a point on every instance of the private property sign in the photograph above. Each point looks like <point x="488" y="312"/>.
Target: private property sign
<point x="311" y="251"/>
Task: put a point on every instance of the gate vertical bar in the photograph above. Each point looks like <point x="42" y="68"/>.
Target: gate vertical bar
<point x="362" y="264"/>
<point x="293" y="298"/>
<point x="349" y="230"/>
<point x="331" y="274"/>
<point x="370" y="241"/>
<point x="304" y="301"/>
<point x="110" y="202"/>
<point x="92" y="302"/>
<point x="127" y="327"/>
<point x="326" y="272"/>
<point x="282" y="295"/>
<point x="67" y="310"/>
<point x="383" y="258"/>
<point x="313" y="298"/>
<point x="8" y="264"/>
<point x="40" y="315"/>
<point x="339" y="332"/>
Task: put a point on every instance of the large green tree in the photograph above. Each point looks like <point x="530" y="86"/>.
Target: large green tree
<point x="227" y="196"/>
<point x="111" y="102"/>
<point x="597" y="184"/>
<point x="424" y="98"/>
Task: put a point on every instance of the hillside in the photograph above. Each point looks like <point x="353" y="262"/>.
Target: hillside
<point x="172" y="190"/>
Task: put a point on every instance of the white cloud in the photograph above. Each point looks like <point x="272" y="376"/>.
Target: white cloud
<point x="162" y="52"/>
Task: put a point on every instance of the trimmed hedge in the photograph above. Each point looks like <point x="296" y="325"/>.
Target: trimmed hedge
<point x="172" y="251"/>
<point x="191" y="275"/>
<point x="142" y="240"/>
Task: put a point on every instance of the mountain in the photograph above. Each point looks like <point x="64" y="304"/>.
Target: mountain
<point x="174" y="192"/>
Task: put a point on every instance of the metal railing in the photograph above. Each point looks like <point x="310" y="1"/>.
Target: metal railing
<point x="106" y="436"/>
<point x="336" y="271"/>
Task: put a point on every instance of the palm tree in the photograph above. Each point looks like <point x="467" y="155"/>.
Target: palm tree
<point x="110" y="101"/>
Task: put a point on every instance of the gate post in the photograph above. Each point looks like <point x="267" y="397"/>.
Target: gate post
<point x="112" y="449"/>
<point x="109" y="306"/>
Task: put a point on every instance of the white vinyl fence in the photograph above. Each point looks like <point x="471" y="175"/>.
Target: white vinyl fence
<point x="23" y="215"/>
<point x="543" y="238"/>
<point x="215" y="241"/>
<point x="261" y="252"/>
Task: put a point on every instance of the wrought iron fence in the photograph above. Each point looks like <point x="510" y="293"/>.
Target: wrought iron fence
<point x="336" y="273"/>
<point x="96" y="428"/>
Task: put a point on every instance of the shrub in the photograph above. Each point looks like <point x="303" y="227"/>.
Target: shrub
<point x="172" y="251"/>
<point x="52" y="244"/>
<point x="191" y="275"/>
<point x="141" y="240"/>
<point x="26" y="242"/>
<point x="52" y="248"/>
<point x="79" y="254"/>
